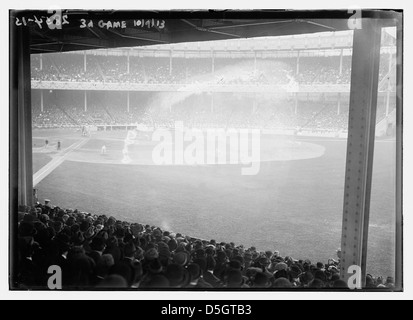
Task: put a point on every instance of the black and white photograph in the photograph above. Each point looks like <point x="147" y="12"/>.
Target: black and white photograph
<point x="206" y="150"/>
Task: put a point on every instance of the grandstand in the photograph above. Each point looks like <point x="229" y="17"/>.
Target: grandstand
<point x="221" y="70"/>
<point x="117" y="219"/>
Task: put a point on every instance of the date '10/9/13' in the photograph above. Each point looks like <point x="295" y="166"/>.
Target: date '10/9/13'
<point x="143" y="23"/>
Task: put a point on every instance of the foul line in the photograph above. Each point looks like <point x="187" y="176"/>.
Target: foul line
<point x="57" y="161"/>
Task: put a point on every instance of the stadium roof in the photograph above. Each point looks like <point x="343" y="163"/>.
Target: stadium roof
<point x="83" y="30"/>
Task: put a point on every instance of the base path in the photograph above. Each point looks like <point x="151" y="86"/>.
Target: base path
<point x="57" y="161"/>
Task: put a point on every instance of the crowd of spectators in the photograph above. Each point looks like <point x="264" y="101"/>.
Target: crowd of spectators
<point x="99" y="68"/>
<point x="99" y="252"/>
<point x="196" y="110"/>
<point x="310" y="115"/>
<point x="50" y="117"/>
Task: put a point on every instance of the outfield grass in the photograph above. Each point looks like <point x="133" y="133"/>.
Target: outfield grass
<point x="291" y="206"/>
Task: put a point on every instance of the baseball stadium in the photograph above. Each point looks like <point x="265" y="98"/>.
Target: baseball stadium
<point x="122" y="167"/>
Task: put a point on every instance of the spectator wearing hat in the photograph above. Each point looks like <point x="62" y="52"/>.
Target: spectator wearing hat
<point x="97" y="248"/>
<point x="197" y="280"/>
<point x="261" y="280"/>
<point x="27" y="274"/>
<point x="130" y="262"/>
<point x="158" y="281"/>
<point x="47" y="204"/>
<point x="102" y="268"/>
<point x="208" y="272"/>
<point x="316" y="284"/>
<point x="221" y="264"/>
<point x="164" y="253"/>
<point x="113" y="281"/>
<point x="340" y="284"/>
<point x="113" y="249"/>
<point x="91" y="249"/>
<point x="282" y="283"/>
<point x="81" y="270"/>
<point x="233" y="279"/>
<point x="182" y="258"/>
<point x="177" y="275"/>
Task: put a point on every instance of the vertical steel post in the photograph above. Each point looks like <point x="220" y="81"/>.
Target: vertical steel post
<point x="399" y="147"/>
<point x="41" y="101"/>
<point x="85" y="100"/>
<point x="127" y="101"/>
<point x="360" y="147"/>
<point x="24" y="117"/>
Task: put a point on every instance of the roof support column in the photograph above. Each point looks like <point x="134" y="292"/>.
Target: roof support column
<point x="21" y="118"/>
<point x="399" y="147"/>
<point x="360" y="149"/>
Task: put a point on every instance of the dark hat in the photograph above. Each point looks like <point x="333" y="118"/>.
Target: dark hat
<point x="157" y="233"/>
<point x="155" y="266"/>
<point x="221" y="256"/>
<point x="151" y="254"/>
<point x="113" y="281"/>
<point x="75" y="228"/>
<point x="261" y="280"/>
<point x="335" y="277"/>
<point x="239" y="258"/>
<point x="295" y="271"/>
<point x="340" y="284"/>
<point x="389" y="280"/>
<point x="128" y="237"/>
<point x="281" y="266"/>
<point x="89" y="233"/>
<point x="316" y="283"/>
<point x="97" y="244"/>
<point x="29" y="218"/>
<point x="210" y="263"/>
<point x="209" y="250"/>
<point x="194" y="271"/>
<point x="111" y="221"/>
<point x="70" y="221"/>
<point x="156" y="281"/>
<point x="177" y="275"/>
<point x="77" y="239"/>
<point x="120" y="232"/>
<point x="235" y="264"/>
<point x="202" y="264"/>
<point x="251" y="271"/>
<point x="268" y="253"/>
<point x="164" y="252"/>
<point x="247" y="256"/>
<point x="264" y="261"/>
<point x="84" y="225"/>
<point x="136" y="229"/>
<point x="106" y="260"/>
<point x="281" y="274"/>
<point x="282" y="283"/>
<point x="320" y="275"/>
<point x="123" y="270"/>
<point x="129" y="249"/>
<point x="306" y="277"/>
<point x="181" y="258"/>
<point x="200" y="253"/>
<point x="234" y="278"/>
<point x="172" y="244"/>
<point x="26" y="229"/>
